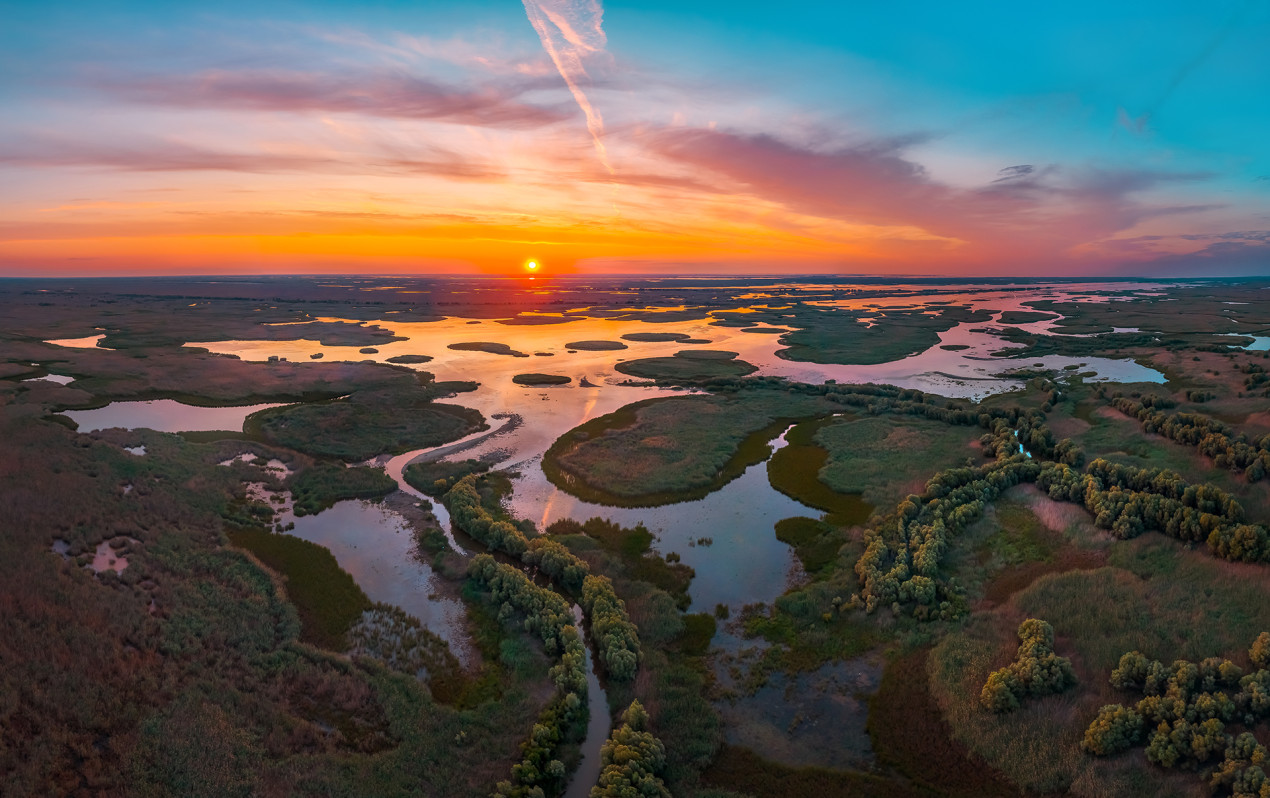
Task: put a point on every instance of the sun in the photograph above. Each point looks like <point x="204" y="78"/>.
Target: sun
<point x="532" y="265"/>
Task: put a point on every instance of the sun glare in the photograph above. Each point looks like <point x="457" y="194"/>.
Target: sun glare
<point x="531" y="265"/>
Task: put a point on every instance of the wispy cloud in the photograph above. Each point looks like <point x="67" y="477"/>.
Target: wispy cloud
<point x="161" y="155"/>
<point x="572" y="31"/>
<point x="1038" y="212"/>
<point x="383" y="94"/>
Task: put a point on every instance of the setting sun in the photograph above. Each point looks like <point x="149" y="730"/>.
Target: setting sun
<point x="531" y="265"/>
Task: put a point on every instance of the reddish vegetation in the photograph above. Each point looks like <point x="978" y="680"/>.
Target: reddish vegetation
<point x="910" y="735"/>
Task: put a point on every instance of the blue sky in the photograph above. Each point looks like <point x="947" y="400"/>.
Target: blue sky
<point x="917" y="138"/>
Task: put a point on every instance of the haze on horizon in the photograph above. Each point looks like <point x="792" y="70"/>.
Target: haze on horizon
<point x="651" y="137"/>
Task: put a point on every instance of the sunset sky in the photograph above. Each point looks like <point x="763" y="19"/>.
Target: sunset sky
<point x="649" y="137"/>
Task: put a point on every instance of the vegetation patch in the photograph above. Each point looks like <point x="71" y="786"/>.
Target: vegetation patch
<point x="655" y="337"/>
<point x="795" y="471"/>
<point x="541" y="379"/>
<point x="688" y="364"/>
<point x="596" y="346"/>
<point x="1036" y="671"/>
<point x="320" y="486"/>
<point x="884" y="458"/>
<point x="408" y="359"/>
<point x="366" y="424"/>
<point x="486" y="346"/>
<point x="815" y="542"/>
<point x="665" y="450"/>
<point x="327" y="598"/>
<point x="1024" y="316"/>
<point x="436" y="477"/>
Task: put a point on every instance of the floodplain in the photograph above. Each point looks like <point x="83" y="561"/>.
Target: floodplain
<point x="338" y="536"/>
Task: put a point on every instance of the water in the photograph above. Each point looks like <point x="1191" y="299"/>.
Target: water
<point x="597" y="728"/>
<point x="378" y="549"/>
<point x="164" y="415"/>
<point x="89" y="342"/>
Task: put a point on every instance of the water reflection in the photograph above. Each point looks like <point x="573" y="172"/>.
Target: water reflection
<point x="164" y="415"/>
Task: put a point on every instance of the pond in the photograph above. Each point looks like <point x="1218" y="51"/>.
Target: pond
<point x="164" y="415"/>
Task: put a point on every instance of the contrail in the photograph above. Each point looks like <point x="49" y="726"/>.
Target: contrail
<point x="571" y="30"/>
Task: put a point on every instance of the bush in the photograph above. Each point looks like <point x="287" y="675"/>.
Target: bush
<point x="1036" y="671"/>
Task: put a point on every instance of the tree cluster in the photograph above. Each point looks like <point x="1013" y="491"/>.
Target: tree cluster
<point x="1183" y="714"/>
<point x="903" y="552"/>
<point x="1036" y="671"/>
<point x="1230" y="450"/>
<point x="616" y="637"/>
<point x="631" y="760"/>
<point x="611" y="628"/>
<point x="548" y="615"/>
<point x="1129" y="501"/>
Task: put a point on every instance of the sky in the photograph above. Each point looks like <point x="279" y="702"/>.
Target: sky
<point x="659" y="137"/>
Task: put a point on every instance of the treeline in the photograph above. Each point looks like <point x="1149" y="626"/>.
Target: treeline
<point x="548" y="615"/>
<point x="1036" y="671"/>
<point x="1229" y="449"/>
<point x="632" y="760"/>
<point x="1129" y="501"/>
<point x="614" y="634"/>
<point x="1183" y="714"/>
<point x="903" y="551"/>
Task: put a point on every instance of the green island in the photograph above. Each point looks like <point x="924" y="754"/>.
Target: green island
<point x="688" y="364"/>
<point x="541" y="379"/>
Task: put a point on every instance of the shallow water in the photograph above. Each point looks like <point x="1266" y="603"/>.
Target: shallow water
<point x="163" y="415"/>
<point x="88" y="342"/>
<point x="744" y="564"/>
<point x="378" y="548"/>
<point x="597" y="729"/>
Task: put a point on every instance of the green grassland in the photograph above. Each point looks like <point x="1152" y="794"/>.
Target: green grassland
<point x="847" y="466"/>
<point x="837" y="336"/>
<point x="327" y="598"/>
<point x="367" y="424"/>
<point x="666" y="450"/>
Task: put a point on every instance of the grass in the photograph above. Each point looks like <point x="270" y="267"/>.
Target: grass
<point x="815" y="542"/>
<point x="795" y="471"/>
<point x="632" y="548"/>
<point x="318" y="487"/>
<point x="541" y="379"/>
<point x="327" y="598"/>
<point x="689" y="364"/>
<point x="747" y="773"/>
<point x="660" y="451"/>
<point x="837" y="336"/>
<point x="1156" y="596"/>
<point x="436" y="477"/>
<point x="885" y="458"/>
<point x="366" y="424"/>
<point x="910" y="736"/>
<point x="485" y="346"/>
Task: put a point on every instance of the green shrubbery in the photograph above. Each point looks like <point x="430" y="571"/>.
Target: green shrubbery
<point x="1129" y="501"/>
<point x="436" y="477"/>
<point x="547" y="615"/>
<point x="611" y="627"/>
<point x="1036" y="671"/>
<point x="903" y="552"/>
<point x="1231" y="450"/>
<point x="632" y="760"/>
<point x="1183" y="715"/>
<point x="317" y="488"/>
